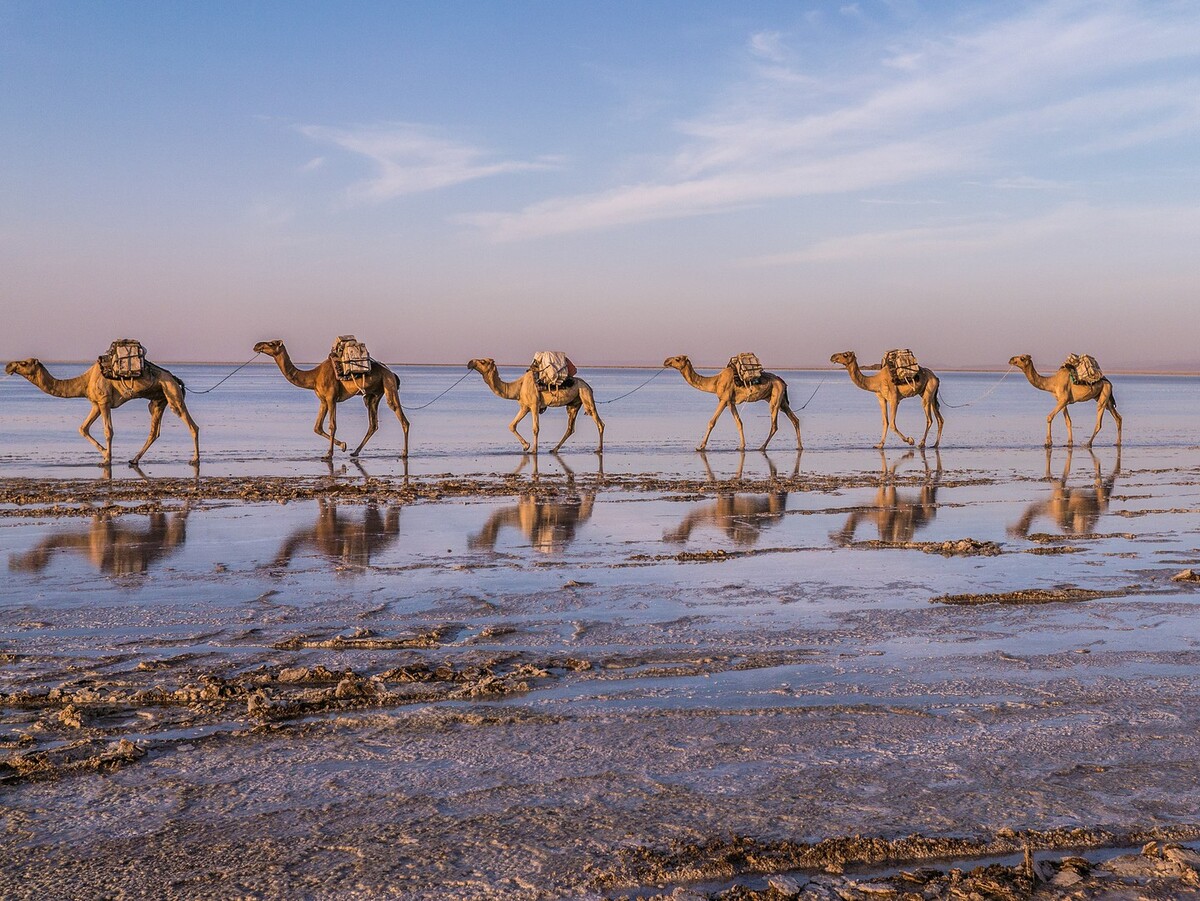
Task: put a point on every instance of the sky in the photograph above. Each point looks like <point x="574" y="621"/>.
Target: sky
<point x="624" y="181"/>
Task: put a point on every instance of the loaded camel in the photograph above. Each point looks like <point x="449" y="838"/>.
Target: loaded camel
<point x="380" y="382"/>
<point x="155" y="384"/>
<point x="535" y="400"/>
<point x="729" y="394"/>
<point x="890" y="392"/>
<point x="1066" y="392"/>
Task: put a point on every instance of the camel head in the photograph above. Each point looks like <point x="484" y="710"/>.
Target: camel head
<point x="1021" y="361"/>
<point x="271" y="348"/>
<point x="845" y="358"/>
<point x="481" y="365"/>
<point x="22" y="367"/>
<point x="676" y="362"/>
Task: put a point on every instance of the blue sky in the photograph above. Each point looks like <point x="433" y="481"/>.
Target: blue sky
<point x="625" y="181"/>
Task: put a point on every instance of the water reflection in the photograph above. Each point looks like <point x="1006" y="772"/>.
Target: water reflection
<point x="1074" y="510"/>
<point x="115" y="545"/>
<point x="549" y="524"/>
<point x="741" y="465"/>
<point x="898" y="513"/>
<point x="742" y="517"/>
<point x="348" y="537"/>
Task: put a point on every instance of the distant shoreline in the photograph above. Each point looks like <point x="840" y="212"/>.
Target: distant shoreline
<point x="1183" y="373"/>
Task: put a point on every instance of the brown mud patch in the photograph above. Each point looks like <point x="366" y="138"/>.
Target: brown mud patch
<point x="725" y="858"/>
<point x="962" y="547"/>
<point x="1035" y="596"/>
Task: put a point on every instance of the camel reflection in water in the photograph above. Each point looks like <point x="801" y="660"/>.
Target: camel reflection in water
<point x="550" y="525"/>
<point x="1074" y="510"/>
<point x="348" y="539"/>
<point x="898" y="514"/>
<point x="115" y="545"/>
<point x="742" y="516"/>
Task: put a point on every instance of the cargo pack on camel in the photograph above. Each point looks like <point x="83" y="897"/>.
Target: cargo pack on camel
<point x="902" y="364"/>
<point x="125" y="360"/>
<point x="747" y="370"/>
<point x="552" y="369"/>
<point x="350" y="357"/>
<point x="1084" y="369"/>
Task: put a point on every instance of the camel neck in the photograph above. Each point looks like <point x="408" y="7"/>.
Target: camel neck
<point x="301" y="378"/>
<point x="75" y="387"/>
<point x="856" y="376"/>
<point x="704" y="383"/>
<point x="501" y="388"/>
<point x="1035" y="378"/>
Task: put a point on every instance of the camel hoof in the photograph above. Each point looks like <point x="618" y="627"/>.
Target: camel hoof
<point x="909" y="441"/>
<point x="353" y="454"/>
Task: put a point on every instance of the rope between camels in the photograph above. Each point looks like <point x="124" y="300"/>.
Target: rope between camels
<point x="635" y="390"/>
<point x="443" y="394"/>
<point x="814" y="394"/>
<point x="227" y="378"/>
<point x="984" y="395"/>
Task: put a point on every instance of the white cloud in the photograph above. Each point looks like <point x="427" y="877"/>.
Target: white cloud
<point x="1082" y="77"/>
<point x="312" y="165"/>
<point x="411" y="158"/>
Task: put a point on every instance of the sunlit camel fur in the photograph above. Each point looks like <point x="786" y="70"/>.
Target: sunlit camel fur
<point x="379" y="383"/>
<point x="770" y="388"/>
<point x="1074" y="510"/>
<point x="348" y="540"/>
<point x="890" y="392"/>
<point x="1067" y="392"/>
<point x="549" y="525"/>
<point x="155" y="385"/>
<point x="534" y="401"/>
<point x="897" y="514"/>
<point x="117" y="546"/>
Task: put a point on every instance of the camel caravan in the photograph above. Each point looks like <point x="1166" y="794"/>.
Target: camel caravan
<point x="551" y="380"/>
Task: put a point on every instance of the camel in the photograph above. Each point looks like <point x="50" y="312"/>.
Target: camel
<point x="1075" y="510"/>
<point x="155" y="384"/>
<point x="897" y="515"/>
<point x="1067" y="392"/>
<point x="348" y="541"/>
<point x="378" y="383"/>
<point x="550" y="525"/>
<point x="729" y="394"/>
<point x="534" y="400"/>
<point x="113" y="546"/>
<point x="890" y="393"/>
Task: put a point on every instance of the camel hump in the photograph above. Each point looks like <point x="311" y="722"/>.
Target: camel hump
<point x="552" y="368"/>
<point x="902" y="363"/>
<point x="1084" y="369"/>
<point x="125" y="359"/>
<point x="350" y="357"/>
<point x="747" y="370"/>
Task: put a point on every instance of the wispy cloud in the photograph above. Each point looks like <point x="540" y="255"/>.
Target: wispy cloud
<point x="410" y="159"/>
<point x="1056" y="80"/>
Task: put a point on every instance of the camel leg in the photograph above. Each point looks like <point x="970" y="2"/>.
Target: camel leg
<point x="774" y="426"/>
<point x="1112" y="408"/>
<point x="936" y="404"/>
<point x="393" y="399"/>
<point x="174" y="398"/>
<point x="589" y="407"/>
<point x="893" y="407"/>
<point x="333" y="431"/>
<point x="883" y="416"/>
<point x="319" y="428"/>
<point x="1070" y="434"/>
<point x="157" y="408"/>
<point x="106" y="418"/>
<point x="536" y="416"/>
<point x="795" y="422"/>
<point x="512" y="427"/>
<point x="572" y="412"/>
<point x="712" y="422"/>
<point x="738" y="421"/>
<point x="371" y="402"/>
<point x="1060" y="407"/>
<point x="85" y="428"/>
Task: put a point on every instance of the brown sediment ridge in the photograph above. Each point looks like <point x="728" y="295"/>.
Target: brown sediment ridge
<point x="1038" y="596"/>
<point x="78" y="497"/>
<point x="723" y="858"/>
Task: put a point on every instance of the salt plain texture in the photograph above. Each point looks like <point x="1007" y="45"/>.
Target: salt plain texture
<point x="476" y="675"/>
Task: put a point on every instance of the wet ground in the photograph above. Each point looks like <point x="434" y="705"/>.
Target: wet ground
<point x="582" y="682"/>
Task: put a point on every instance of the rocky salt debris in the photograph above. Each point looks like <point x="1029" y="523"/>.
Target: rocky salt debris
<point x="1034" y="596"/>
<point x="1188" y="575"/>
<point x="962" y="547"/>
